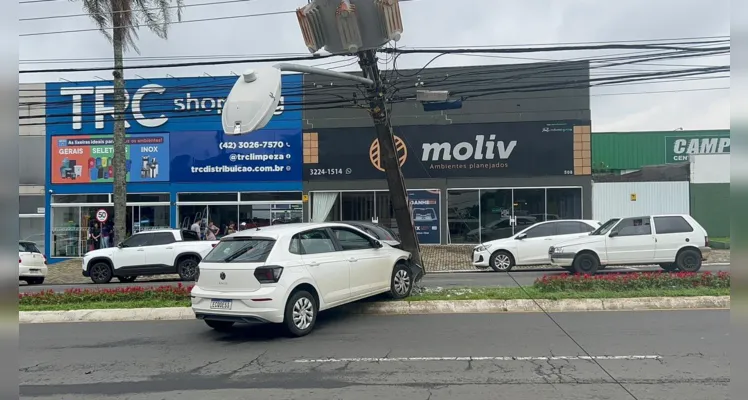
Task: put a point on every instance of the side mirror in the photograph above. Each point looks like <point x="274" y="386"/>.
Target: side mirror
<point x="120" y="245"/>
<point x="613" y="234"/>
<point x="378" y="244"/>
<point x="521" y="236"/>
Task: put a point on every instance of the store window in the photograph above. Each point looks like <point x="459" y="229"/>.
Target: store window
<point x="385" y="211"/>
<point x="463" y="214"/>
<point x="222" y="217"/>
<point x="326" y="206"/>
<point x="357" y="206"/>
<point x="564" y="203"/>
<point x="495" y="216"/>
<point x="31" y="228"/>
<point x="67" y="232"/>
<point x="271" y="196"/>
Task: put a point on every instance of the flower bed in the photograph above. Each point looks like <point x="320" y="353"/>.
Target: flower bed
<point x="632" y="281"/>
<point x="120" y="294"/>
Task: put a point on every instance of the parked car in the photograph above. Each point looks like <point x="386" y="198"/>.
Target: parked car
<point x="286" y="274"/>
<point x="530" y="245"/>
<point x="675" y="242"/>
<point x="380" y="232"/>
<point x="32" y="264"/>
<point x="499" y="229"/>
<point x="155" y="252"/>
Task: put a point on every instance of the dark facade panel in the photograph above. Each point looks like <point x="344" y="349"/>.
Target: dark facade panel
<point x="30" y="204"/>
<point x="496" y="93"/>
<point x="32" y="161"/>
<point x="513" y="149"/>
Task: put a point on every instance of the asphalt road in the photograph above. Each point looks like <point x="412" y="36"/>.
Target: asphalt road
<point x="664" y="355"/>
<point x="454" y="279"/>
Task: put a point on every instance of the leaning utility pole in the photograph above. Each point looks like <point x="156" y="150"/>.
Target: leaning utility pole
<point x="361" y="27"/>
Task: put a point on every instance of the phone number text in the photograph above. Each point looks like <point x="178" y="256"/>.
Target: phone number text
<point x="252" y="145"/>
<point x="329" y="171"/>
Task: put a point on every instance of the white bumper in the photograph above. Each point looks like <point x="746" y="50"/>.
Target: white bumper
<point x="266" y="304"/>
<point x="562" y="262"/>
<point x="31" y="272"/>
<point x="481" y="258"/>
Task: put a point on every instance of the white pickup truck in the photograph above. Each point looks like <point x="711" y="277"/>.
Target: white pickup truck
<point x="156" y="252"/>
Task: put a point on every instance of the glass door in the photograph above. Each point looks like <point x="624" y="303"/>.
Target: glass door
<point x="528" y="207"/>
<point x="496" y="216"/>
<point x="149" y="217"/>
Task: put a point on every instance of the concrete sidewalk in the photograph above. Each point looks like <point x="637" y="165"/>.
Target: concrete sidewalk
<point x="402" y="308"/>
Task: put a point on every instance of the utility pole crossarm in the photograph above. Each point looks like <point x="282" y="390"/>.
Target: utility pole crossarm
<point x="325" y="72"/>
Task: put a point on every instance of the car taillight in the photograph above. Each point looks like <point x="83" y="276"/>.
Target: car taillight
<point x="20" y="261"/>
<point x="45" y="258"/>
<point x="269" y="274"/>
<point x="706" y="241"/>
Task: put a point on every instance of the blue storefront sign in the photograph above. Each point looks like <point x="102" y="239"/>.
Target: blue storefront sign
<point x="425" y="206"/>
<point x="156" y="105"/>
<point x="267" y="155"/>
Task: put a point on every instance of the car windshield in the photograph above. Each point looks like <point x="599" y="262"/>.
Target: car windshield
<point x="240" y="249"/>
<point x="606" y="227"/>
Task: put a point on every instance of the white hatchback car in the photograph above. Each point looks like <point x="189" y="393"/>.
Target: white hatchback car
<point x="529" y="246"/>
<point x="674" y="241"/>
<point x="288" y="273"/>
<point x="32" y="264"/>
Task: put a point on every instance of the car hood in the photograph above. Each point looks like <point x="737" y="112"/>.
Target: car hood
<point x="100" y="253"/>
<point x="497" y="242"/>
<point x="581" y="241"/>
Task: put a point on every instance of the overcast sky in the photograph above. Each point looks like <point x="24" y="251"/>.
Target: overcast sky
<point x="428" y="23"/>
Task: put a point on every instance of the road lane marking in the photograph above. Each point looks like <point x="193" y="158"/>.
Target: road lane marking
<point x="506" y="358"/>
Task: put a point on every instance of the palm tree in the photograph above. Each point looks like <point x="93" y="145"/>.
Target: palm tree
<point x="118" y="21"/>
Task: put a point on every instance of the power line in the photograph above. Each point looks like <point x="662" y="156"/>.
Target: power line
<point x="398" y="52"/>
<point x="265" y="14"/>
<point x="147" y="9"/>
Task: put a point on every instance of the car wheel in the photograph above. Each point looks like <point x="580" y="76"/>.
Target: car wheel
<point x="669" y="267"/>
<point x="688" y="260"/>
<point x="501" y="261"/>
<point x="586" y="264"/>
<point x="221" y="326"/>
<point x="300" y="314"/>
<point x="401" y="282"/>
<point x="35" y="281"/>
<point x="187" y="268"/>
<point x="100" y="273"/>
<point x="127" y="279"/>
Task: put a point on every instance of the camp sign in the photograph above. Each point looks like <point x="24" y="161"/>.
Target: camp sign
<point x="678" y="148"/>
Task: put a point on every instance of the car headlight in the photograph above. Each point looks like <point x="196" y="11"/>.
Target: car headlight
<point x="553" y="250"/>
<point x="482" y="247"/>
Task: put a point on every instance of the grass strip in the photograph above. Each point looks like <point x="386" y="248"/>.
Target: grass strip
<point x="426" y="295"/>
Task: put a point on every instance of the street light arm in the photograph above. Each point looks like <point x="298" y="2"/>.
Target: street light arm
<point x="305" y="69"/>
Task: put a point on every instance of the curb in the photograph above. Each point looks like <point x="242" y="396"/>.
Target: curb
<point x="402" y="308"/>
<point x="547" y="269"/>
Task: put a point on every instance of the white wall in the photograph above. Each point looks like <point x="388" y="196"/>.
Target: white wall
<point x="710" y="168"/>
<point x="614" y="199"/>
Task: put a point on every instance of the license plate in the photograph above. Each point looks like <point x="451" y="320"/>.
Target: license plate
<point x="220" y="304"/>
<point x="38" y="271"/>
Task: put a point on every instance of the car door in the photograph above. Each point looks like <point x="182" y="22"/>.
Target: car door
<point x="132" y="252"/>
<point x="568" y="230"/>
<point x="327" y="266"/>
<point x="533" y="243"/>
<point x="671" y="233"/>
<point x="370" y="271"/>
<point x="160" y="251"/>
<point x="631" y="241"/>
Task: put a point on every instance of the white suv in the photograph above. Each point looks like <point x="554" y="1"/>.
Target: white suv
<point x="288" y="273"/>
<point x="675" y="242"/>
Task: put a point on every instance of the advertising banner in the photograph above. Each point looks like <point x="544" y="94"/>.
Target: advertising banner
<point x="266" y="155"/>
<point x="511" y="149"/>
<point x="88" y="158"/>
<point x="156" y="105"/>
<point x="424" y="207"/>
<point x="678" y="148"/>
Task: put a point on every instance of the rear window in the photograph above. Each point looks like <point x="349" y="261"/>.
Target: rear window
<point x="28" y="248"/>
<point x="190" y="236"/>
<point x="253" y="250"/>
<point x="673" y="224"/>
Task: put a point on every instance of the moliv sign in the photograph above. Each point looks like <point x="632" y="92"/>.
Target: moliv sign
<point x="679" y="148"/>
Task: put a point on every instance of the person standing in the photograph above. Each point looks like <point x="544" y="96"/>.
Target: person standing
<point x="195" y="227"/>
<point x="105" y="234"/>
<point x="95" y="236"/>
<point x="210" y="233"/>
